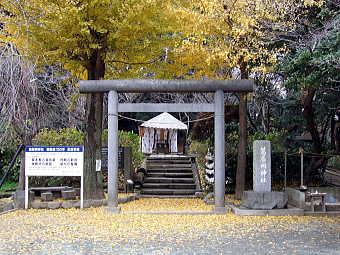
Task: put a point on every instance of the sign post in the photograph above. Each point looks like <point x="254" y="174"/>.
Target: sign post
<point x="54" y="161"/>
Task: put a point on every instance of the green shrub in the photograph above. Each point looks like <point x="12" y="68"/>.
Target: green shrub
<point x="6" y="155"/>
<point x="64" y="136"/>
<point x="276" y="138"/>
<point x="200" y="149"/>
<point x="9" y="185"/>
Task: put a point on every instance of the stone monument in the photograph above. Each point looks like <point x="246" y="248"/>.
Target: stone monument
<point x="262" y="166"/>
<point x="262" y="197"/>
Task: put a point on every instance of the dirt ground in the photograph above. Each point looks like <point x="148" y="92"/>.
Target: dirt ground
<point x="94" y="231"/>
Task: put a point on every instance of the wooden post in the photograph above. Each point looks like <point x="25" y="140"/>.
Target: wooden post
<point x="242" y="154"/>
<point x="301" y="154"/>
<point x="285" y="181"/>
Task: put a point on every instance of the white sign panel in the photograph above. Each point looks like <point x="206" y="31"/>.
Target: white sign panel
<point x="54" y="160"/>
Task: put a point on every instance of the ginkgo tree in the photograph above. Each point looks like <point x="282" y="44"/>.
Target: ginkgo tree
<point x="88" y="37"/>
<point x="224" y="39"/>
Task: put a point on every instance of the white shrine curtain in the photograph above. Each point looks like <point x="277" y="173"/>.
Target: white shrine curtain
<point x="173" y="140"/>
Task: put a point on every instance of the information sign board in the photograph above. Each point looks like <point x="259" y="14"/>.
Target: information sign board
<point x="54" y="161"/>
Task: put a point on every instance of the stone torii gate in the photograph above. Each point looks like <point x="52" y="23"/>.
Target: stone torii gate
<point x="113" y="87"/>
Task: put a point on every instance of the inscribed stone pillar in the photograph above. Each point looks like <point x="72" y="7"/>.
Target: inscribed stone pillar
<point x="261" y="166"/>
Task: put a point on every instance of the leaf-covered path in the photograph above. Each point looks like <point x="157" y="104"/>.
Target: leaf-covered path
<point x="94" y="231"/>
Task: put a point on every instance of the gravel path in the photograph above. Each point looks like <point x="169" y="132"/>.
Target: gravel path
<point x="94" y="231"/>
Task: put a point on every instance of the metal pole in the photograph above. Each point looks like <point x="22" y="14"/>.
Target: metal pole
<point x="20" y="148"/>
<point x="219" y="152"/>
<point x="113" y="152"/>
<point x="285" y="181"/>
<point x="301" y="154"/>
<point x="82" y="191"/>
<point x="26" y="192"/>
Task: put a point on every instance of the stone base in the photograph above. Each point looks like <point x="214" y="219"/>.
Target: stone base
<point x="264" y="200"/>
<point x="290" y="211"/>
<point x="199" y="195"/>
<point x="19" y="198"/>
<point x="76" y="203"/>
<point x="220" y="210"/>
<point x="6" y="207"/>
<point x="113" y="210"/>
<point x="77" y="191"/>
<point x="296" y="197"/>
<point x="209" y="199"/>
<point x="47" y="196"/>
<point x="68" y="194"/>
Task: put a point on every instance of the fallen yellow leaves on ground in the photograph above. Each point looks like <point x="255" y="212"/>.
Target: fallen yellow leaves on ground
<point x="164" y="204"/>
<point x="95" y="225"/>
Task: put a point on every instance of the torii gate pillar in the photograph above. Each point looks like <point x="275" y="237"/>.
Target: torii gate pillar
<point x="219" y="153"/>
<point x="112" y="163"/>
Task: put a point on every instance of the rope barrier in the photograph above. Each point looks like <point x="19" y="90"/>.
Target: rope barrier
<point x="312" y="155"/>
<point x="137" y="120"/>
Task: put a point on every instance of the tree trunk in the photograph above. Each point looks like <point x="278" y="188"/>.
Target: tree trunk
<point x="99" y="126"/>
<point x="336" y="131"/>
<point x="242" y="154"/>
<point x="92" y="144"/>
<point x="242" y="146"/>
<point x="21" y="185"/>
<point x="26" y="140"/>
<point x="93" y="188"/>
<point x="308" y="115"/>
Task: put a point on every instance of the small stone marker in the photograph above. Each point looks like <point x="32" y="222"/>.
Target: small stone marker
<point x="77" y="191"/>
<point x="261" y="197"/>
<point x="261" y="166"/>
<point x="47" y="196"/>
<point x="68" y="194"/>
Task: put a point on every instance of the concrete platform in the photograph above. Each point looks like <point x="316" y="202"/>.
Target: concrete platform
<point x="167" y="196"/>
<point x="325" y="214"/>
<point x="175" y="212"/>
<point x="291" y="211"/>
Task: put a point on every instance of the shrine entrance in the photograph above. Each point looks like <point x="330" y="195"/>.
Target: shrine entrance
<point x="218" y="87"/>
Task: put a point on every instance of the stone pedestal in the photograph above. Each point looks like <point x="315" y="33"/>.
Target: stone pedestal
<point x="264" y="200"/>
<point x="47" y="196"/>
<point x="19" y="198"/>
<point x="68" y="194"/>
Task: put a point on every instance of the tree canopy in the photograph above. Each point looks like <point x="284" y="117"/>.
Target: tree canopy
<point x="82" y="34"/>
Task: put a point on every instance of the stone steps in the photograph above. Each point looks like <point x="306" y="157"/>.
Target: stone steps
<point x="168" y="157"/>
<point x="167" y="180"/>
<point x="169" y="186"/>
<point x="169" y="161"/>
<point x="168" y="176"/>
<point x="167" y="166"/>
<point x="168" y="191"/>
<point x="167" y="170"/>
